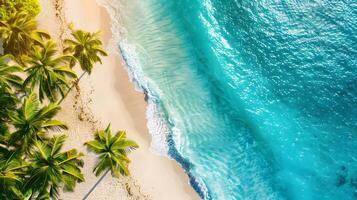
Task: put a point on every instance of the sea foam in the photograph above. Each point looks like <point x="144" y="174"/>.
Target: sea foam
<point x="158" y="125"/>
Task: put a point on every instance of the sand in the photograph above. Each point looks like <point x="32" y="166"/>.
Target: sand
<point x="107" y="96"/>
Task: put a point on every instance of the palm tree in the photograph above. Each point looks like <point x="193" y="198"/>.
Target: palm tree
<point x="11" y="173"/>
<point x="19" y="33"/>
<point x="48" y="72"/>
<point x="86" y="48"/>
<point x="51" y="168"/>
<point x="8" y="76"/>
<point x="112" y="151"/>
<point x="31" y="122"/>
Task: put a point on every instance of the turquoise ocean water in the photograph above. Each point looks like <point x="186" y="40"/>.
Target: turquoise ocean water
<point x="255" y="99"/>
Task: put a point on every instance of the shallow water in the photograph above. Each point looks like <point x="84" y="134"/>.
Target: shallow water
<point x="256" y="100"/>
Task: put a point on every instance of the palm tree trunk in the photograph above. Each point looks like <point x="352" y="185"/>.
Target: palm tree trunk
<point x="95" y="185"/>
<point x="72" y="86"/>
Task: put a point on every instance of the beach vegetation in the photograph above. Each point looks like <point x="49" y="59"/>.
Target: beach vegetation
<point x="7" y="7"/>
<point x="8" y="103"/>
<point x="9" y="74"/>
<point x="31" y="122"/>
<point x="112" y="151"/>
<point x="33" y="75"/>
<point x="18" y="34"/>
<point x="48" y="72"/>
<point x="86" y="48"/>
<point x="11" y="173"/>
<point x="10" y="82"/>
<point x="50" y="168"/>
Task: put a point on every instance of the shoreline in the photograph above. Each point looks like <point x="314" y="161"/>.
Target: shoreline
<point x="113" y="100"/>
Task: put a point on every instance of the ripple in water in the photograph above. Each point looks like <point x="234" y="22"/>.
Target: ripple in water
<point x="256" y="100"/>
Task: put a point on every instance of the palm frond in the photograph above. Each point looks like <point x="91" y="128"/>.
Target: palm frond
<point x="112" y="151"/>
<point x="49" y="72"/>
<point x="85" y="47"/>
<point x="52" y="168"/>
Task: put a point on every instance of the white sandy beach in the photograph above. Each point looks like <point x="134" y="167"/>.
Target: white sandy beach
<point x="107" y="96"/>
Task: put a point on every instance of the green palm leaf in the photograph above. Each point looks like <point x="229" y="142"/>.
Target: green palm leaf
<point x="31" y="121"/>
<point x="19" y="33"/>
<point x="95" y="146"/>
<point x="8" y="74"/>
<point x="51" y="168"/>
<point x="112" y="151"/>
<point x="49" y="72"/>
<point x="11" y="178"/>
<point x="85" y="47"/>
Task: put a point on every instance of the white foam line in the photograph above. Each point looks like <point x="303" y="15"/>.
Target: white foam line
<point x="156" y="124"/>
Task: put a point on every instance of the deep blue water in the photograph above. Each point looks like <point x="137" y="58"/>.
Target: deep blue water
<point x="256" y="99"/>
